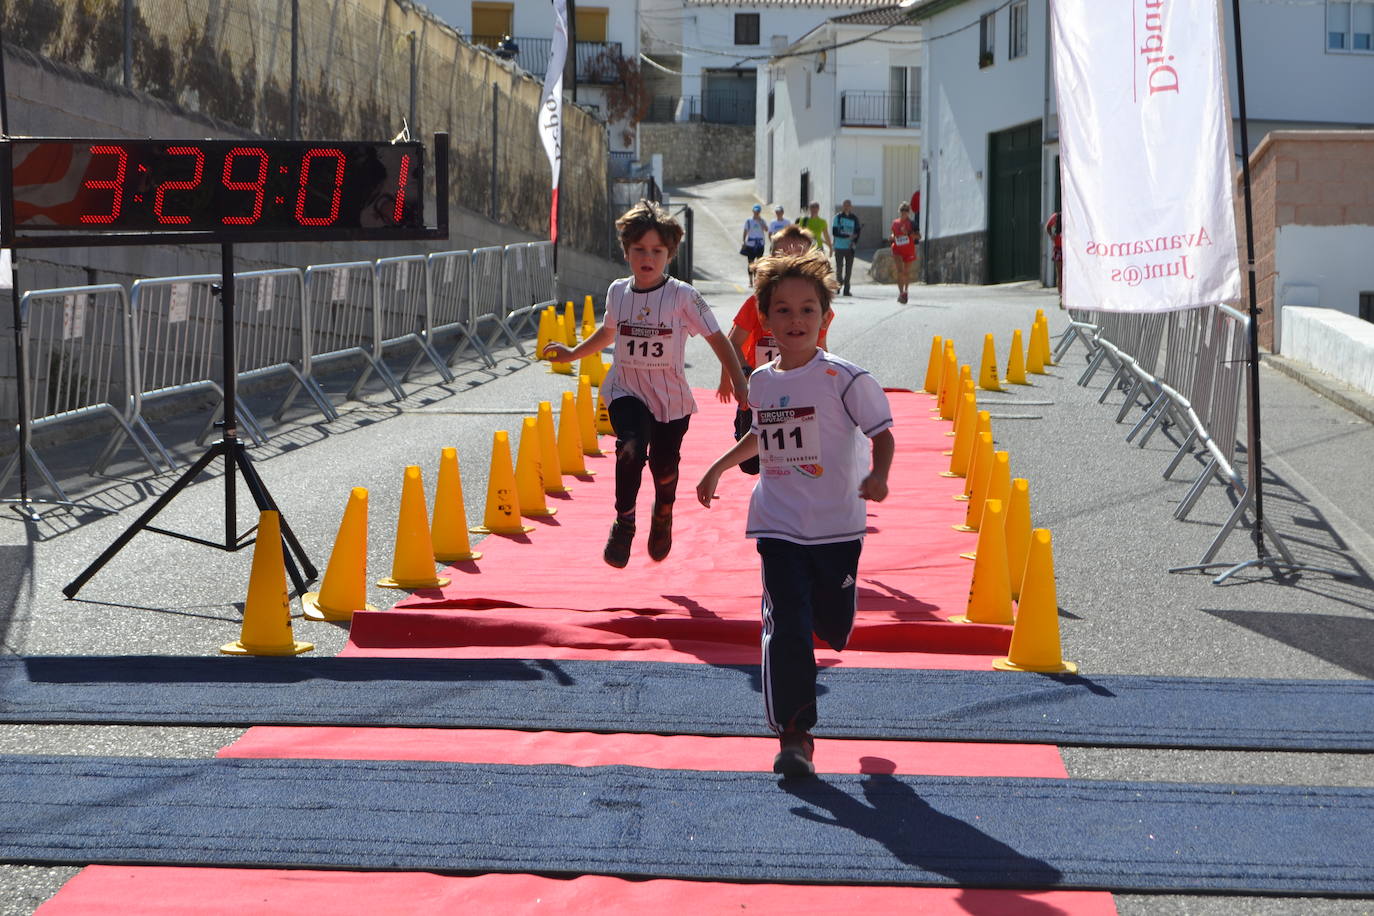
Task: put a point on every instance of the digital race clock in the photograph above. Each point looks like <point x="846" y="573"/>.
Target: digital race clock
<point x="232" y="189"/>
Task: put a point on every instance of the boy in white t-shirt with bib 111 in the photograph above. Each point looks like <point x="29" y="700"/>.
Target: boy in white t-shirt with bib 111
<point x="814" y="415"/>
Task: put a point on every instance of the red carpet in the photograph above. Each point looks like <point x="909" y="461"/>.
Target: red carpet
<point x="549" y="595"/>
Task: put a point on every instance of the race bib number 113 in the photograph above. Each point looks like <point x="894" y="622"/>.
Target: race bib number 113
<point x="644" y="347"/>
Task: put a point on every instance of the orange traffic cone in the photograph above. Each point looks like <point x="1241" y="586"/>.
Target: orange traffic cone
<point x="450" y="530"/>
<point x="1035" y="638"/>
<point x="586" y="367"/>
<point x="966" y="386"/>
<point x="603" y="418"/>
<point x="550" y="466"/>
<point x="946" y="378"/>
<point x="933" y="366"/>
<point x="412" y="559"/>
<point x="964" y="422"/>
<point x="570" y="439"/>
<point x="950" y="389"/>
<point x="569" y="324"/>
<point x="1018" y="533"/>
<point x="560" y="334"/>
<point x="987" y="371"/>
<point x="266" y="626"/>
<point x="588" y="317"/>
<point x="999" y="487"/>
<point x="529" y="485"/>
<point x="1035" y="360"/>
<point x="344" y="587"/>
<point x="976" y="483"/>
<point x="545" y="332"/>
<point x="502" y="514"/>
<point x="586" y="419"/>
<point x="989" y="594"/>
<point x="1016" y="365"/>
<point x="1046" y="352"/>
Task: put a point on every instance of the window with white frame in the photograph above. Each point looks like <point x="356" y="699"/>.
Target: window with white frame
<point x="1350" y="25"/>
<point x="1020" y="28"/>
<point x="987" y="39"/>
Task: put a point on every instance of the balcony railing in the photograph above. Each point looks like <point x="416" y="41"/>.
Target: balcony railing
<point x="880" y="109"/>
<point x="596" y="60"/>
<point x="712" y="108"/>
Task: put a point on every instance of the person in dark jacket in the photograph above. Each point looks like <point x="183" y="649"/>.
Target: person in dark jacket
<point x="844" y="231"/>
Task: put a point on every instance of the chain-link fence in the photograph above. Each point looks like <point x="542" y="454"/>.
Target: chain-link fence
<point x="360" y="69"/>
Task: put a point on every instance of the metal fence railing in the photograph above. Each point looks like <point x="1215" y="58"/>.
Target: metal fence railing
<point x="862" y="108"/>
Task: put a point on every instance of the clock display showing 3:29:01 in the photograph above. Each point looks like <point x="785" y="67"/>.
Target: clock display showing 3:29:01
<point x="104" y="185"/>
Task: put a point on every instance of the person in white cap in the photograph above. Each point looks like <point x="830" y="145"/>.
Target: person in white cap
<point x="778" y="224"/>
<point x="754" y="239"/>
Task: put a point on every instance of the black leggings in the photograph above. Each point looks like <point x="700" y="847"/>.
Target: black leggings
<point x="641" y="439"/>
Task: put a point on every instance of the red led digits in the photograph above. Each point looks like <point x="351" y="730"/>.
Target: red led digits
<point x="306" y="160"/>
<point x="401" y="189"/>
<point x="257" y="186"/>
<point x="115" y="184"/>
<point x="162" y="189"/>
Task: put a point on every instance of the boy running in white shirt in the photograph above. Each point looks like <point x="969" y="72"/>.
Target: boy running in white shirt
<point x="812" y="412"/>
<point x="649" y="316"/>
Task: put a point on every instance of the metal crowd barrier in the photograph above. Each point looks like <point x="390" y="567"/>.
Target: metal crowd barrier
<point x="449" y="274"/>
<point x="542" y="290"/>
<point x="404" y="311"/>
<point x="519" y="297"/>
<point x="489" y="294"/>
<point x="177" y="338"/>
<point x="270" y="332"/>
<point x="341" y="300"/>
<point x="79" y="361"/>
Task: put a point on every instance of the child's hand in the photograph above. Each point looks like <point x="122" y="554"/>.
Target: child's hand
<point x="741" y="394"/>
<point x="557" y="352"/>
<point x="706" y="488"/>
<point x="725" y="390"/>
<point x="873" y="487"/>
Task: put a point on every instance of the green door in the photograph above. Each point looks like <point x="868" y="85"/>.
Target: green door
<point x="1014" y="204"/>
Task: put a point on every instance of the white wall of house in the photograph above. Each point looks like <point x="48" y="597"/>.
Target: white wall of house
<point x="1326" y="266"/>
<point x="843" y="162"/>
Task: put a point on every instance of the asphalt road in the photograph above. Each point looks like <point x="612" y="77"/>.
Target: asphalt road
<point x="1108" y="506"/>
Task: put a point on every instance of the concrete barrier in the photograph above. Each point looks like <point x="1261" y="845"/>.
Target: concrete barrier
<point x="1337" y="343"/>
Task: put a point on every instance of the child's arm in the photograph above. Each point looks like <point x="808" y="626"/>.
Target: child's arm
<point x="728" y="354"/>
<point x="747" y="447"/>
<point x="560" y="353"/>
<point x="738" y="336"/>
<point x="874" y="486"/>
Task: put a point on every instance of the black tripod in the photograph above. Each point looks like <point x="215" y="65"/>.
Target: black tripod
<point x="236" y="461"/>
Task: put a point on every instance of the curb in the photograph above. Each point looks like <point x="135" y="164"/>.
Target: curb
<point x="1333" y="389"/>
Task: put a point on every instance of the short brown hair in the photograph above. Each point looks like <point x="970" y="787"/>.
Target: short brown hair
<point x="793" y="231"/>
<point x="772" y="270"/>
<point x="636" y="222"/>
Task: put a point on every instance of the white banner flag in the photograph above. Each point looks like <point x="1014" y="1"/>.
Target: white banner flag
<point x="1145" y="142"/>
<point x="551" y="109"/>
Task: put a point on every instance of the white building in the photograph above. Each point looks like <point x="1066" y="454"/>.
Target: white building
<point x="991" y="133"/>
<point x="705" y="54"/>
<point x="605" y="33"/>
<point x="842" y="119"/>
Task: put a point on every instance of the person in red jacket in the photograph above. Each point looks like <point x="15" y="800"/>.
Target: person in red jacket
<point x="903" y="238"/>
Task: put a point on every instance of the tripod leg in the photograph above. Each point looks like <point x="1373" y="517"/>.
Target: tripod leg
<point x="142" y="521"/>
<point x="263" y="500"/>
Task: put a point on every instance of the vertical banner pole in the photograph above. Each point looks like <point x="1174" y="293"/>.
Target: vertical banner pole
<point x="551" y="116"/>
<point x="10" y="278"/>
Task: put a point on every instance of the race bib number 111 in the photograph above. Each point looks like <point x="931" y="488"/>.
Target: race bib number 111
<point x="789" y="435"/>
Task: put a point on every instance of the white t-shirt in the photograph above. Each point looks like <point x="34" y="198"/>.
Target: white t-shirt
<point x="651" y="329"/>
<point x="777" y="224"/>
<point x="813" y="424"/>
<point x="756" y="231"/>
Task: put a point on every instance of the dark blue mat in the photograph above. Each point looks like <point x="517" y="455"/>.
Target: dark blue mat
<point x="876" y="829"/>
<point x="688" y="699"/>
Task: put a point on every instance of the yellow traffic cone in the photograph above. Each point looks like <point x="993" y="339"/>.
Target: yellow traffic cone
<point x="586" y="419"/>
<point x="989" y="593"/>
<point x="550" y="466"/>
<point x="1046" y="353"/>
<point x="949" y="376"/>
<point x="588" y="317"/>
<point x="933" y="366"/>
<point x="1035" y="638"/>
<point x="586" y="368"/>
<point x="964" y="428"/>
<point x="1018" y="533"/>
<point x="999" y="488"/>
<point x="545" y="329"/>
<point x="966" y="386"/>
<point x="450" y="530"/>
<point x="560" y="334"/>
<point x="951" y="386"/>
<point x="266" y="626"/>
<point x="1035" y="362"/>
<point x="984" y="425"/>
<point x="502" y="514"/>
<point x="569" y="324"/>
<point x="344" y="587"/>
<point x="412" y="559"/>
<point x="987" y="371"/>
<point x="529" y="485"/>
<point x="981" y="473"/>
<point x="1016" y="365"/>
<point x="603" y="418"/>
<point x="570" y="439"/>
